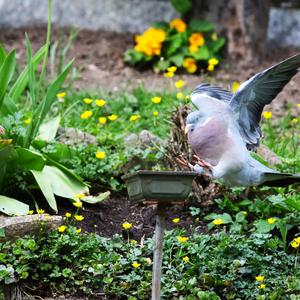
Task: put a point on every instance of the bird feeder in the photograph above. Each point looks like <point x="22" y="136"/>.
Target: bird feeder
<point x="161" y="188"/>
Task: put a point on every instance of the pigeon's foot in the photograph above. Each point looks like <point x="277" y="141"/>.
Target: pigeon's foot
<point x="202" y="163"/>
<point x="184" y="162"/>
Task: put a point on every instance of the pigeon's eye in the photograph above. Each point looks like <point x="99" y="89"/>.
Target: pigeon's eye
<point x="197" y="118"/>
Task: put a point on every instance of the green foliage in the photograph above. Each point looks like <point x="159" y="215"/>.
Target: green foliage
<point x="187" y="46"/>
<point x="182" y="6"/>
<point x="213" y="266"/>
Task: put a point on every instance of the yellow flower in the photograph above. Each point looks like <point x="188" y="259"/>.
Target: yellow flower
<point x="294" y="244"/>
<point x="27" y="121"/>
<point x="262" y="286"/>
<point x="182" y="239"/>
<point x="193" y="48"/>
<point x="210" y="68"/>
<point x="179" y="96"/>
<point x="214" y="36"/>
<point x="100" y="102"/>
<point x="179" y="84"/>
<point x="267" y="114"/>
<point x="112" y="117"/>
<point x="127" y="226"/>
<point x="133" y="242"/>
<point x="102" y="120"/>
<point x="100" y="154"/>
<point x="271" y="221"/>
<point x="190" y="64"/>
<point x="260" y="278"/>
<point x="298" y="104"/>
<point x="172" y="69"/>
<point x="47" y="217"/>
<point x="87" y="100"/>
<point x="155" y="113"/>
<point x="197" y="39"/>
<point x="40" y="211"/>
<point x="78" y="230"/>
<point x="297" y="240"/>
<point x="148" y="260"/>
<point x="61" y="95"/>
<point x="86" y="114"/>
<point x="218" y="221"/>
<point x="178" y="25"/>
<point x="77" y="204"/>
<point x="213" y="61"/>
<point x="169" y="74"/>
<point x="176" y="220"/>
<point x="30" y="212"/>
<point x="135" y="264"/>
<point x="156" y="100"/>
<point x="150" y="42"/>
<point x="79" y="196"/>
<point x="68" y="215"/>
<point x="62" y="228"/>
<point x="186" y="259"/>
<point x="134" y="118"/>
<point x="294" y="121"/>
<point x="79" y="218"/>
<point x="187" y="97"/>
<point x="235" y="86"/>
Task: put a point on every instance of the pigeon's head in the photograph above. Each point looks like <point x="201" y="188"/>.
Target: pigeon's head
<point x="194" y="120"/>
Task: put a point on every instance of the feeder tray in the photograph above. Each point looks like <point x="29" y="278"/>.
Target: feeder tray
<point x="160" y="187"/>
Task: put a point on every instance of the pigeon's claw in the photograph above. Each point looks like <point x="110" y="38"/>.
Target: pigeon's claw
<point x="202" y="162"/>
<point x="184" y="163"/>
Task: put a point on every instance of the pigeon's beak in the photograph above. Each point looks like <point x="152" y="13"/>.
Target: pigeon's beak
<point x="187" y="127"/>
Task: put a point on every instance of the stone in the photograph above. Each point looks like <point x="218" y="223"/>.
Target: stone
<point x="268" y="155"/>
<point x="73" y="136"/>
<point x="15" y="227"/>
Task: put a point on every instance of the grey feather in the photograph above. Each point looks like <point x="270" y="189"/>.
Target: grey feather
<point x="213" y="91"/>
<point x="258" y="91"/>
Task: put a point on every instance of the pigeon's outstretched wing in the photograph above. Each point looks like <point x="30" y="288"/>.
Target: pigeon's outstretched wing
<point x="255" y="93"/>
<point x="206" y="89"/>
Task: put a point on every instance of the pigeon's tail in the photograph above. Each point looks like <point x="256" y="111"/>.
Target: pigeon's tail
<point x="280" y="179"/>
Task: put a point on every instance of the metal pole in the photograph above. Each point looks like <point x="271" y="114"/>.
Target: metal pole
<point x="158" y="251"/>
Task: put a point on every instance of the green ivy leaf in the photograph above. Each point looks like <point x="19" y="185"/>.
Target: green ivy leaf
<point x="175" y="43"/>
<point x="202" y="54"/>
<point x="177" y="59"/>
<point x="217" y="45"/>
<point x="182" y="6"/>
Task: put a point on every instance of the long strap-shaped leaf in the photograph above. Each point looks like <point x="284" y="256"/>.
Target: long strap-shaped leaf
<point x="22" y="81"/>
<point x="2" y="55"/>
<point x="6" y="71"/>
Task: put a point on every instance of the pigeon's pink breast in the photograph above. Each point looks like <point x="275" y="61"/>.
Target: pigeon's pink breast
<point x="210" y="141"/>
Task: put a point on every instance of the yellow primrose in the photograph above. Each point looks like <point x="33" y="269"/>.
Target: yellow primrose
<point x="267" y="114"/>
<point x="179" y="96"/>
<point x="40" y="211"/>
<point x="156" y="100"/>
<point x="178" y="24"/>
<point x="176" y="220"/>
<point x="27" y="121"/>
<point x="172" y="69"/>
<point x="190" y="64"/>
<point x="102" y="120"/>
<point x="78" y="204"/>
<point x="30" y="212"/>
<point x="271" y="221"/>
<point x="78" y="230"/>
<point x="100" y="154"/>
<point x="135" y="264"/>
<point x="169" y="74"/>
<point x="112" y="117"/>
<point x="260" y="278"/>
<point x="87" y="100"/>
<point x="182" y="239"/>
<point x="235" y="86"/>
<point x="61" y="95"/>
<point x="155" y="113"/>
<point x="186" y="259"/>
<point x="294" y="244"/>
<point x="79" y="218"/>
<point x="218" y="222"/>
<point x="262" y="286"/>
<point x="86" y="114"/>
<point x="134" y="118"/>
<point x="100" y="102"/>
<point x="193" y="48"/>
<point x="213" y="61"/>
<point x="62" y="228"/>
<point x="210" y="68"/>
<point x="179" y="84"/>
<point x="127" y="225"/>
<point x="68" y="215"/>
